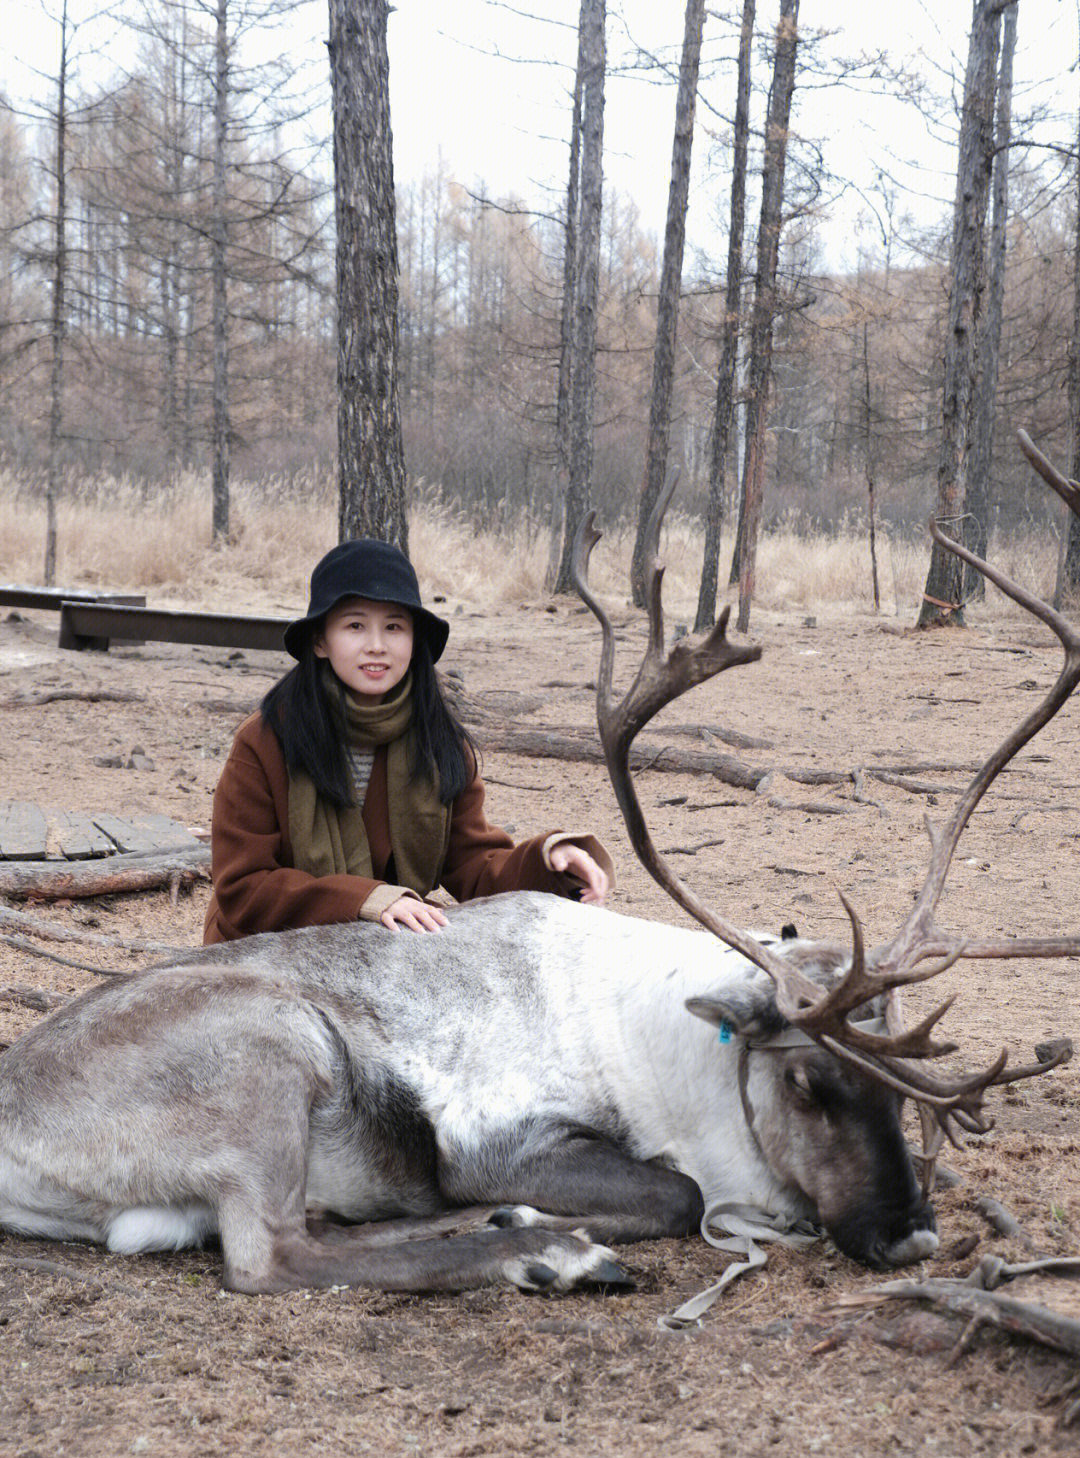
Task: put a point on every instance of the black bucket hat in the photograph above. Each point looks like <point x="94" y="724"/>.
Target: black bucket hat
<point x="371" y="569"/>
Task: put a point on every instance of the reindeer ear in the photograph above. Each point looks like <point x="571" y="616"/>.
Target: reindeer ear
<point x="747" y="1012"/>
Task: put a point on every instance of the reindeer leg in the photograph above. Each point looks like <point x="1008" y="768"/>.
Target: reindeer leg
<point x="531" y="1259"/>
<point x="268" y="1247"/>
<point x="588" y="1183"/>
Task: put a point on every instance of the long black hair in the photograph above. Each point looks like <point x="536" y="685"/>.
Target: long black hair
<point x="307" y="723"/>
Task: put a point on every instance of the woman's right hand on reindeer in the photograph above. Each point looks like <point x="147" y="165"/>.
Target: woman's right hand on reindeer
<point x="413" y="914"/>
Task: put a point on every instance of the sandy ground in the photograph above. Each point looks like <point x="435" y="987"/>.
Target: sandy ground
<point x="106" y="1355"/>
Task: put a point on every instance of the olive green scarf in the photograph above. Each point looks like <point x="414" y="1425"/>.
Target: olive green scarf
<point x="328" y="841"/>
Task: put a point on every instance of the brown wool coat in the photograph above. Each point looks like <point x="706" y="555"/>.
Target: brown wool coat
<point x="257" y="888"/>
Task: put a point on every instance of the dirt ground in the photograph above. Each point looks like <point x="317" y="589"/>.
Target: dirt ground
<point x="109" y="1355"/>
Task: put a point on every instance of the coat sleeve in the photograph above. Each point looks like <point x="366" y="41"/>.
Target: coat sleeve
<point x="482" y="859"/>
<point x="255" y="887"/>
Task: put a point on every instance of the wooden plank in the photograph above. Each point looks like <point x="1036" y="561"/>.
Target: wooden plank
<point x="145" y="834"/>
<point x="75" y="837"/>
<point x="23" y="831"/>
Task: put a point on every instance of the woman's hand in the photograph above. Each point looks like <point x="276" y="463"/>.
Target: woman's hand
<point x="416" y="915"/>
<point x="571" y="860"/>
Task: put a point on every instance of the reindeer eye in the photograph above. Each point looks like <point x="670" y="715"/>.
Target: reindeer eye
<point x="799" y="1080"/>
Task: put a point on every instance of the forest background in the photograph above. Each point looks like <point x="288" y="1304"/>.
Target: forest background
<point x="859" y="330"/>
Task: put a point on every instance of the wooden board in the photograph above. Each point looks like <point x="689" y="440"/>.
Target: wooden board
<point x="30" y="833"/>
<point x="23" y="831"/>
<point x="75" y="837"/>
<point x="144" y="833"/>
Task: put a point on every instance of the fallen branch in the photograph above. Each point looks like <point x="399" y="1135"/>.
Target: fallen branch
<point x="808" y="807"/>
<point x="916" y="787"/>
<point x="517" y="785"/>
<point x="37" y="999"/>
<point x="68" y="1273"/>
<point x="691" y="850"/>
<point x="85" y="696"/>
<point x="1002" y="1220"/>
<point x="51" y="880"/>
<point x="974" y="1298"/>
<point x="48" y="931"/>
<point x="23" y="944"/>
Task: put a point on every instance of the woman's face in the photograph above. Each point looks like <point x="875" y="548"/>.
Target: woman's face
<point x="369" y="645"/>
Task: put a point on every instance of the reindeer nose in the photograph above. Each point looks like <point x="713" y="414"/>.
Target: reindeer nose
<point x="915" y="1246"/>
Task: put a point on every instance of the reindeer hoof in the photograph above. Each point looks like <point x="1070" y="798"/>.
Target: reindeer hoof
<point x="540" y="1277"/>
<point x="513" y="1217"/>
<point x="610" y="1273"/>
<point x="562" y="1263"/>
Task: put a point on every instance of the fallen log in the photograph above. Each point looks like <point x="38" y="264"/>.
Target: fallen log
<point x="52" y="880"/>
<point x="548" y="744"/>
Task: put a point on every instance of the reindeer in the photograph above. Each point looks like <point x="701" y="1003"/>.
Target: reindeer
<point x="344" y="1105"/>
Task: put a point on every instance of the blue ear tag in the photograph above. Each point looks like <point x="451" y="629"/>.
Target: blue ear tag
<point x="726" y="1032"/>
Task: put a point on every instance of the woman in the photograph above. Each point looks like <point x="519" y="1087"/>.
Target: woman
<point x="354" y="791"/>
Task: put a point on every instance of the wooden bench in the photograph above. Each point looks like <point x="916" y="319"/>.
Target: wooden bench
<point x="95" y="624"/>
<point x="53" y="598"/>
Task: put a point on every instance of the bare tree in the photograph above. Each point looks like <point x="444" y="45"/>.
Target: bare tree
<point x="667" y="312"/>
<point x="870" y="464"/>
<point x="591" y="66"/>
<point x="219" y="243"/>
<point x="989" y="344"/>
<point x="764" y="310"/>
<point x="58" y="315"/>
<point x="371" y="456"/>
<point x="729" y="332"/>
<point x="1068" y="573"/>
<point x="942" y="598"/>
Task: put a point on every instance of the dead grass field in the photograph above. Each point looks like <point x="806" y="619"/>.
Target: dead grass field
<point x="101" y="1355"/>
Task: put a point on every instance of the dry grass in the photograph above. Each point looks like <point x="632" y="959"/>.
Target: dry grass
<point x="112" y="536"/>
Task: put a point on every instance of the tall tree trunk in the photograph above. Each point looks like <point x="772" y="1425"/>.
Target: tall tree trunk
<point x="219" y="243"/>
<point x="57" y="326"/>
<point x="566" y="331"/>
<point x="942" y="598"/>
<point x="764" y="313"/>
<point x="591" y="64"/>
<point x="871" y="452"/>
<point x="982" y="443"/>
<point x="667" y="311"/>
<point x="569" y="290"/>
<point x="729" y="334"/>
<point x="371" y="455"/>
<point x="1068" y="576"/>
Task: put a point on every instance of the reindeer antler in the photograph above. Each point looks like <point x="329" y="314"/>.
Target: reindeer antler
<point x="919" y="951"/>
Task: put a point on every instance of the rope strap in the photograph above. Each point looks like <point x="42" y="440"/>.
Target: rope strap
<point x="744" y="1230"/>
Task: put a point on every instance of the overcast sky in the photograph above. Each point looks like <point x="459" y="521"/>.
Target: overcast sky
<point x="483" y="86"/>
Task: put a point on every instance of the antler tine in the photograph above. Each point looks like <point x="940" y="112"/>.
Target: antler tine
<point x="1068" y="490"/>
<point x="827" y="1015"/>
<point x="945" y="1097"/>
